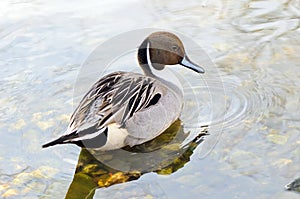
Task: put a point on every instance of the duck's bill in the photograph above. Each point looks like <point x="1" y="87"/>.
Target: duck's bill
<point x="189" y="64"/>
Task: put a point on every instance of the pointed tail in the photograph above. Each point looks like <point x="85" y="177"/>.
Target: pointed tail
<point x="62" y="140"/>
<point x="57" y="141"/>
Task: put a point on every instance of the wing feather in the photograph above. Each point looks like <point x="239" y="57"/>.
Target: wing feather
<point x="118" y="93"/>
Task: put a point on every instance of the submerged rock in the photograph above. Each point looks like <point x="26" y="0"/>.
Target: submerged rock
<point x="293" y="186"/>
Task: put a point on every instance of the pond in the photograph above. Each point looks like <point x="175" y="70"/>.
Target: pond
<point x="253" y="78"/>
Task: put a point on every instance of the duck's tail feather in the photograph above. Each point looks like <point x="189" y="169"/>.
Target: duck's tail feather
<point x="62" y="140"/>
<point x="91" y="137"/>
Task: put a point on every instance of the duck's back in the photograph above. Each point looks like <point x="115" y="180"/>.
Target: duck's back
<point x="133" y="107"/>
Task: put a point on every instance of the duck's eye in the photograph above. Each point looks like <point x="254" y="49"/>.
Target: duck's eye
<point x="175" y="48"/>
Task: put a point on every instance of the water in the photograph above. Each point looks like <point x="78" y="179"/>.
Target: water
<point x="254" y="45"/>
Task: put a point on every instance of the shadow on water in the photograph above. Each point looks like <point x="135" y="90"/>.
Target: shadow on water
<point x="164" y="155"/>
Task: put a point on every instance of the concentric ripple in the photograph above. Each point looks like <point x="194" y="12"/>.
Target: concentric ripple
<point x="222" y="105"/>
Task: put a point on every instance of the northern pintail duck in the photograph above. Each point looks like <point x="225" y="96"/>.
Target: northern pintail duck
<point x="127" y="109"/>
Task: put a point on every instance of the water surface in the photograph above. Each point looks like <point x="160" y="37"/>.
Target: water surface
<point x="254" y="45"/>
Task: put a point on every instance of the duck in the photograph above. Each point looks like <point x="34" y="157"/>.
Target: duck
<point x="127" y="108"/>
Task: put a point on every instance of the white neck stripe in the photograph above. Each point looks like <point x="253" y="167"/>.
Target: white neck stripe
<point x="148" y="54"/>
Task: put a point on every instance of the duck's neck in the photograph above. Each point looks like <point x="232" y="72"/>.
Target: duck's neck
<point x="145" y="63"/>
<point x="144" y="59"/>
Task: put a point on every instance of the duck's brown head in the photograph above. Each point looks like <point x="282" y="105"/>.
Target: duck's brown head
<point x="165" y="48"/>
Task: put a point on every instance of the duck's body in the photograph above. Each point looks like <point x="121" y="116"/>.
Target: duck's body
<point x="129" y="108"/>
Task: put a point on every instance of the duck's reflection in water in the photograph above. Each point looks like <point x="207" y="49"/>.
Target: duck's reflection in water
<point x="163" y="155"/>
